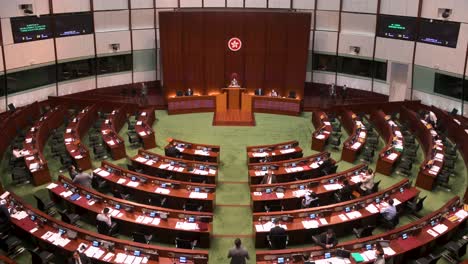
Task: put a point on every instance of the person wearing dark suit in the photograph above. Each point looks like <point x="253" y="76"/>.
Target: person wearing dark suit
<point x="238" y="254"/>
<point x="346" y="192"/>
<point x="326" y="240"/>
<point x="79" y="258"/>
<point x="326" y="165"/>
<point x="310" y="200"/>
<point x="4" y="213"/>
<point x="269" y="178"/>
<point x="189" y="92"/>
<point x="277" y="230"/>
<point x="172" y="151"/>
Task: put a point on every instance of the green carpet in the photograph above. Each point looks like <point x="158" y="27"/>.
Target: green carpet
<point x="233" y="216"/>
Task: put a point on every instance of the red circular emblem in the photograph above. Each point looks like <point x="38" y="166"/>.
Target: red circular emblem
<point x="235" y="44"/>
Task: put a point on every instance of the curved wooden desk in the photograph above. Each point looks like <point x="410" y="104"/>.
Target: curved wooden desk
<point x="295" y="191"/>
<point x="391" y="133"/>
<point x="134" y="217"/>
<point x="34" y="142"/>
<point x="287" y="171"/>
<point x="44" y="223"/>
<point x="418" y="244"/>
<point x="322" y="131"/>
<point x="433" y="150"/>
<point x="195" y="151"/>
<point x="143" y="125"/>
<point x="143" y="186"/>
<point x="75" y="130"/>
<point x="191" y="104"/>
<point x="183" y="170"/>
<point x="357" y="139"/>
<point x="110" y="132"/>
<point x="330" y="216"/>
<point x="274" y="152"/>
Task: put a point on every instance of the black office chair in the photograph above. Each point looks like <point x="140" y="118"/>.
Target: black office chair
<point x="363" y="231"/>
<point x="193" y="207"/>
<point x="119" y="194"/>
<point x="273" y="208"/>
<point x="278" y="241"/>
<point x="10" y="244"/>
<point x="45" y="206"/>
<point x="179" y="93"/>
<point x="104" y="229"/>
<point x="292" y="94"/>
<point x="390" y="224"/>
<point x="133" y="168"/>
<point x="20" y="175"/>
<point x="100" y="151"/>
<point x="99" y="184"/>
<point x="69" y="218"/>
<point x="42" y="257"/>
<point x="416" y="205"/>
<point x="335" y="142"/>
<point x="376" y="187"/>
<point x="184" y="243"/>
<point x="131" y="125"/>
<point x="141" y="238"/>
<point x="456" y="249"/>
<point x="133" y="139"/>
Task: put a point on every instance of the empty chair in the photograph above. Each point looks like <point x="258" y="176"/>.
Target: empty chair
<point x="100" y="151"/>
<point x="278" y="241"/>
<point x="376" y="187"/>
<point x="184" y="243"/>
<point x="193" y="207"/>
<point x="45" y="206"/>
<point x="131" y="125"/>
<point x="20" y="175"/>
<point x="274" y="207"/>
<point x="133" y="139"/>
<point x="416" y="205"/>
<point x="363" y="231"/>
<point x="133" y="168"/>
<point x="336" y="127"/>
<point x="41" y="257"/>
<point x="456" y="249"/>
<point x="99" y="184"/>
<point x="119" y="194"/>
<point x="141" y="238"/>
<point x="368" y="155"/>
<point x="431" y="259"/>
<point x="335" y="143"/>
<point x="69" y="218"/>
<point x="10" y="244"/>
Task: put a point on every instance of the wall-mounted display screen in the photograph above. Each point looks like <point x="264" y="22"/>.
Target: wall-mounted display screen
<point x="30" y="28"/>
<point x="438" y="32"/>
<point x="73" y="24"/>
<point x="397" y="27"/>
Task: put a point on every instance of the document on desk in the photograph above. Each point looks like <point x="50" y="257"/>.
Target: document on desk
<point x="396" y="202"/>
<point x="201" y="152"/>
<point x="333" y="260"/>
<point x="371" y="208"/>
<point x="356" y="145"/>
<point x="50" y="186"/>
<point x="150" y="162"/>
<point x="310" y="224"/>
<point x="142" y="133"/>
<point x="141" y="159"/>
<point x="133" y="184"/>
<point x="392" y="156"/>
<point x="323" y="221"/>
<point x="320" y="136"/>
<point x="300" y="193"/>
<point x="108" y="256"/>
<point x="257" y="193"/>
<point x="186" y="226"/>
<point x="356" y="179"/>
<point x="389" y="251"/>
<point x="285" y="151"/>
<point x="147" y="220"/>
<point x="129" y="259"/>
<point x="362" y="134"/>
<point x="440" y="228"/>
<point x="140" y="218"/>
<point x="280" y="195"/>
<point x="260" y="154"/>
<point x="331" y="187"/>
<point x="211" y="171"/>
<point x="103" y="173"/>
<point x="20" y="215"/>
<point x="66" y="194"/>
<point x="91" y="251"/>
<point x="343" y="217"/>
<point x="461" y="214"/>
<point x="432" y="233"/>
<point x="121" y="181"/>
<point x="259" y="228"/>
<point x="198" y="195"/>
<point x="120" y="258"/>
<point x="156" y="221"/>
<point x="354" y="214"/>
<point x="261" y="173"/>
<point x="369" y="254"/>
<point x="162" y="191"/>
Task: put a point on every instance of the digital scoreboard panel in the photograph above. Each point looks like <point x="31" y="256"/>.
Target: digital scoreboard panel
<point x="74" y="24"/>
<point x="30" y="28"/>
<point x="397" y="27"/>
<point x="438" y="32"/>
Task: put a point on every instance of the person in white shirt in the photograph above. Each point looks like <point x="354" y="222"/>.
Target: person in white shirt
<point x="431" y="118"/>
<point x="332" y="90"/>
<point x="105" y="217"/>
<point x="367" y="182"/>
<point x="273" y="93"/>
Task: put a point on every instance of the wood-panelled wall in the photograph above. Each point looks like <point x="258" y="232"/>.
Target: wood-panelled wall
<point x="195" y="53"/>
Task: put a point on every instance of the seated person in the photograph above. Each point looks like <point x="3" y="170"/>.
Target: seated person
<point x="172" y="151"/>
<point x="269" y="178"/>
<point x="346" y="192"/>
<point x="234" y="83"/>
<point x="4" y="213"/>
<point x="326" y="240"/>
<point x="431" y="118"/>
<point x="388" y="213"/>
<point x="84" y="179"/>
<point x="379" y="254"/>
<point x="277" y="230"/>
<point x="79" y="258"/>
<point x="72" y="172"/>
<point x="310" y="200"/>
<point x="189" y="92"/>
<point x="273" y="93"/>
<point x="367" y="182"/>
<point x="106" y="218"/>
<point x="276" y="236"/>
<point x="326" y="165"/>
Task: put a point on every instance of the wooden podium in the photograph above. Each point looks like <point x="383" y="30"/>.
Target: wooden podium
<point x="233" y="97"/>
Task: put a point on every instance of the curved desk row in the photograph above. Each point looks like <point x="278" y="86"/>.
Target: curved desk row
<point x="301" y="224"/>
<point x="75" y="130"/>
<point x="292" y="193"/>
<point x="357" y="139"/>
<point x="34" y="142"/>
<point x="143" y="125"/>
<point x="274" y="152"/>
<point x="195" y="151"/>
<point x="110" y="128"/>
<point x="322" y="131"/>
<point x="419" y="242"/>
<point x="179" y="169"/>
<point x="142" y="187"/>
<point x="30" y="222"/>
<point x="287" y="171"/>
<point x="391" y="133"/>
<point x="433" y="148"/>
<point x="134" y="217"/>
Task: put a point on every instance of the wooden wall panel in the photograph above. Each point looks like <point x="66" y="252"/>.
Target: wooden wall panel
<point x="297" y="52"/>
<point x="195" y="53"/>
<point x="233" y="60"/>
<point x="214" y="52"/>
<point x="254" y="43"/>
